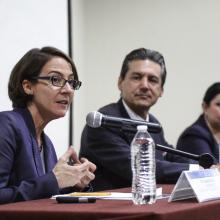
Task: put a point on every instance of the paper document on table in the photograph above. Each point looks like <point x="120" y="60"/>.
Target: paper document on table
<point x="108" y="195"/>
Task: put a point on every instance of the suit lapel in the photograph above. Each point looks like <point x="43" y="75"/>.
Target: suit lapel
<point x="128" y="136"/>
<point x="32" y="132"/>
<point x="215" y="148"/>
<point x="37" y="157"/>
<point x="49" y="156"/>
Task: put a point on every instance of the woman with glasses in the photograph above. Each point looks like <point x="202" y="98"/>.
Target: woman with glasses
<point x="41" y="88"/>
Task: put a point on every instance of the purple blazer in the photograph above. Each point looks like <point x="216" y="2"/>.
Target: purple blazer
<point x="198" y="139"/>
<point x="21" y="172"/>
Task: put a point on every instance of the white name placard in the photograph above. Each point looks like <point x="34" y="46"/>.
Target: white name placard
<point x="201" y="184"/>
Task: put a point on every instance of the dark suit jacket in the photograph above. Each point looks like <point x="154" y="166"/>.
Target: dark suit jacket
<point x="109" y="149"/>
<point x="198" y="139"/>
<point x="21" y="172"/>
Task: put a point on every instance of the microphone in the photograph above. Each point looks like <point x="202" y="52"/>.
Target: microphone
<point x="205" y="160"/>
<point x="96" y="119"/>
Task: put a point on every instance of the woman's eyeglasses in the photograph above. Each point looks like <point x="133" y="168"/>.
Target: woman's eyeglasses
<point x="59" y="81"/>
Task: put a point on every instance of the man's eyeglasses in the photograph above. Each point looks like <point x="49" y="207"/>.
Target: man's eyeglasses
<point x="59" y="81"/>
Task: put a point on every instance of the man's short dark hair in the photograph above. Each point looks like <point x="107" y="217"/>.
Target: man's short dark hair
<point x="143" y="54"/>
<point x="30" y="66"/>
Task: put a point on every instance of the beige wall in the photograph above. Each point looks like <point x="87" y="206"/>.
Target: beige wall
<point x="186" y="32"/>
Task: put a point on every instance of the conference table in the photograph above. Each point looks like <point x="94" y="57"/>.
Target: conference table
<point x="112" y="209"/>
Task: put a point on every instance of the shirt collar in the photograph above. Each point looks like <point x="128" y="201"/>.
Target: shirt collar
<point x="132" y="114"/>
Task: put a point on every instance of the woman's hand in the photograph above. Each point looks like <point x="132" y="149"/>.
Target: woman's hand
<point x="89" y="176"/>
<point x="79" y="175"/>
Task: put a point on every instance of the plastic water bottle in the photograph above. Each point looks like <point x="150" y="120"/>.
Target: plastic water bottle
<point x="143" y="167"/>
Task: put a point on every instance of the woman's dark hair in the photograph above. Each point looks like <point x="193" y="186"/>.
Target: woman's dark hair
<point x="143" y="54"/>
<point x="28" y="67"/>
<point x="211" y="92"/>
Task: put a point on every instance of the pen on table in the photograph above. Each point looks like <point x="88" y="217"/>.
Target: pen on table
<point x="70" y="199"/>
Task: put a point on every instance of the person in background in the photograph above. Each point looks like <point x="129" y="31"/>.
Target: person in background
<point x="141" y="84"/>
<point x="203" y="136"/>
<point x="41" y="88"/>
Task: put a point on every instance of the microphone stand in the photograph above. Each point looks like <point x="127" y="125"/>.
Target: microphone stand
<point x="205" y="160"/>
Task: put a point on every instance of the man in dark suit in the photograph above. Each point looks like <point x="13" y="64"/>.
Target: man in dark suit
<point x="141" y="83"/>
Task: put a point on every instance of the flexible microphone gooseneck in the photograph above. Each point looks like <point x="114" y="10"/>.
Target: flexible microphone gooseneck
<point x="205" y="160"/>
<point x="96" y="119"/>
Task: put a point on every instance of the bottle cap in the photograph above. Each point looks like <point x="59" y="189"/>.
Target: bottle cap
<point x="142" y="127"/>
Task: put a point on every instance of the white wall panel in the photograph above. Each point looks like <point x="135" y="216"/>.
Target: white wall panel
<point x="25" y="24"/>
